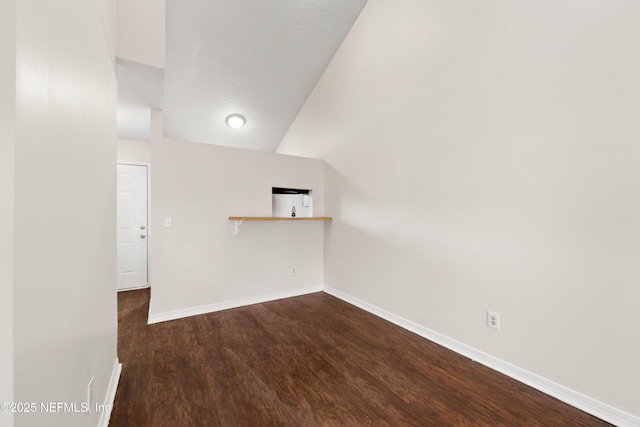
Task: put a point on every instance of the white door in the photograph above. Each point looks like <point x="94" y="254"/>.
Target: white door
<point x="133" y="231"/>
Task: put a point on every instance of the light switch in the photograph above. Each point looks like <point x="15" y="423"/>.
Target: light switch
<point x="167" y="222"/>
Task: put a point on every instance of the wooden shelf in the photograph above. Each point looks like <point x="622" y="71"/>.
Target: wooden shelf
<point x="278" y="218"/>
<point x="240" y="219"/>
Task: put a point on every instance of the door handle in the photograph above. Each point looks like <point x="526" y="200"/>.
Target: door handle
<point x="142" y="236"/>
<point x="142" y="227"/>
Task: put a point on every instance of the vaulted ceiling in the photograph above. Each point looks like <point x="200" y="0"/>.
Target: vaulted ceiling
<point x="260" y="59"/>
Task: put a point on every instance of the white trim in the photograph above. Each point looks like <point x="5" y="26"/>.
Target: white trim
<point x="562" y="393"/>
<point x="135" y="288"/>
<point x="210" y="308"/>
<point x="133" y="163"/>
<point x="110" y="397"/>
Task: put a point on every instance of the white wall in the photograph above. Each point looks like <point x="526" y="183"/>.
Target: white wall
<point x="7" y="154"/>
<point x="65" y="168"/>
<point x="199" y="261"/>
<point x="134" y="122"/>
<point x="484" y="156"/>
<point x="141" y="31"/>
<point x="282" y="205"/>
<point x="134" y="151"/>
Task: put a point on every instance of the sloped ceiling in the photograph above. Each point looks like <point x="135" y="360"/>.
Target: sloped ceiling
<point x="140" y="88"/>
<point x="257" y="58"/>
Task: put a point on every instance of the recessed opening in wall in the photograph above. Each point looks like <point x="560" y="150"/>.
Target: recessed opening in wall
<point x="291" y="202"/>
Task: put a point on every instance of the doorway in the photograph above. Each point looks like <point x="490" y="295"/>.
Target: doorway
<point x="133" y="231"/>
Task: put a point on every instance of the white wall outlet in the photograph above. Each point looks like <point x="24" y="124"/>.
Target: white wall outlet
<point x="90" y="392"/>
<point x="493" y="319"/>
<point x="294" y="271"/>
<point x="167" y="222"/>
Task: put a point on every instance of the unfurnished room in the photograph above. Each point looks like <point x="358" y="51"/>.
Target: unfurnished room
<point x="319" y="213"/>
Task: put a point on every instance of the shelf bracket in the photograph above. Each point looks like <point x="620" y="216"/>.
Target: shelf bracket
<point x="239" y="223"/>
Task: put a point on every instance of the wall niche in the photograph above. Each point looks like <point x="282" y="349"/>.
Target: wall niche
<point x="291" y="203"/>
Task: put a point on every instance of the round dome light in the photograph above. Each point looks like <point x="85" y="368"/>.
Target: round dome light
<point x="236" y="121"/>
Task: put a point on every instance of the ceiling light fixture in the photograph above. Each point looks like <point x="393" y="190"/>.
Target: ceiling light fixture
<point x="236" y="121"/>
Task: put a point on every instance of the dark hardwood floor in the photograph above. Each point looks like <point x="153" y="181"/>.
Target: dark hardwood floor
<point x="308" y="361"/>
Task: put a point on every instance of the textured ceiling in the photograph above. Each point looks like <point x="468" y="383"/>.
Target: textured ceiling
<point x="257" y="58"/>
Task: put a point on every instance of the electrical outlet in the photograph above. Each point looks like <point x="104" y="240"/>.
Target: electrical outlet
<point x="493" y="320"/>
<point x="90" y="392"/>
<point x="293" y="271"/>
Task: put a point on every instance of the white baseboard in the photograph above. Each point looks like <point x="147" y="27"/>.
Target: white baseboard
<point x="210" y="308"/>
<point x="135" y="288"/>
<point x="564" y="394"/>
<point x="110" y="397"/>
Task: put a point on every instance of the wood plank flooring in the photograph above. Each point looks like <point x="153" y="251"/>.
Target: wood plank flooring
<point x="308" y="361"/>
